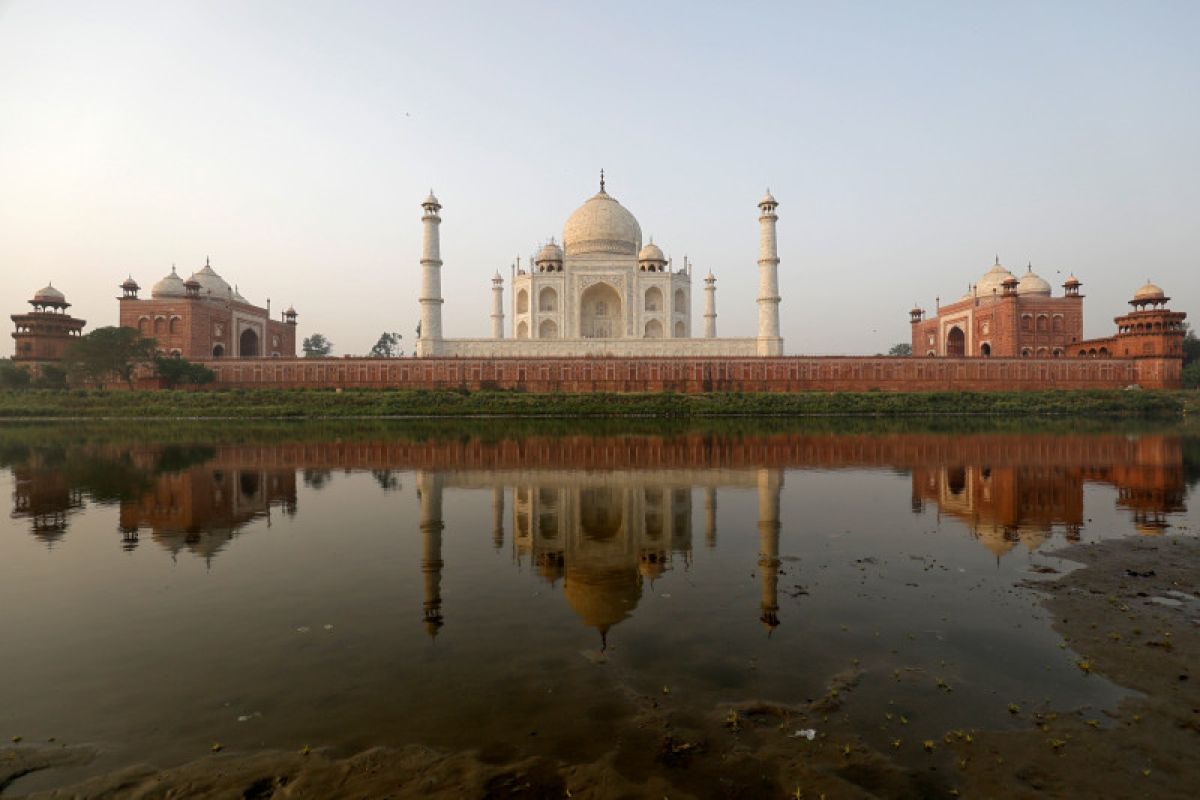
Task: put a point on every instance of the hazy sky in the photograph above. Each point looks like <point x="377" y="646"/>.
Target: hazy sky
<point x="907" y="144"/>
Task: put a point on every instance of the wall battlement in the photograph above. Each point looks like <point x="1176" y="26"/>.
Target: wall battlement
<point x="702" y="374"/>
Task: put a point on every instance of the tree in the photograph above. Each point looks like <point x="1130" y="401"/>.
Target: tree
<point x="1191" y="347"/>
<point x="316" y="346"/>
<point x="110" y="353"/>
<point x="176" y="371"/>
<point x="13" y="376"/>
<point x="388" y="346"/>
<point x="901" y="349"/>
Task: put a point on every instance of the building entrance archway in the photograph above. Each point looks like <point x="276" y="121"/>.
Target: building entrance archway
<point x="956" y="343"/>
<point x="248" y="344"/>
<point x="600" y="313"/>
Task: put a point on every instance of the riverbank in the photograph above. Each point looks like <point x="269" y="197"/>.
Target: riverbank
<point x="385" y="403"/>
<point x="1131" y="614"/>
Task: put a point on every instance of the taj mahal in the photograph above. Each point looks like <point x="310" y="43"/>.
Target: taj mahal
<point x="600" y="293"/>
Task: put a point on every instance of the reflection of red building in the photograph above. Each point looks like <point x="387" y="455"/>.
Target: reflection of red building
<point x="1009" y="503"/>
<point x="202" y="508"/>
<point x="44" y="495"/>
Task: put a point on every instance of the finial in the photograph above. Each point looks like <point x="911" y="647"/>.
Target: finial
<point x="172" y="268"/>
<point x="1030" y="267"/>
<point x="602" y="179"/>
<point x="997" y="259"/>
<point x="206" y="262"/>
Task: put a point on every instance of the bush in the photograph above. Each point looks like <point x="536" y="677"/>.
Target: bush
<point x="1191" y="375"/>
<point x="13" y="376"/>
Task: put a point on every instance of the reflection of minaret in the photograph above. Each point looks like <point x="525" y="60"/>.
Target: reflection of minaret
<point x="770" y="482"/>
<point x="429" y="487"/>
<point x="710" y="516"/>
<point x="498" y="517"/>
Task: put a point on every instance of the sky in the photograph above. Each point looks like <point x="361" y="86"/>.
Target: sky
<point x="908" y="145"/>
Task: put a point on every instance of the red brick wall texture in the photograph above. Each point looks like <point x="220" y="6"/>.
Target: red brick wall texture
<point x="784" y="374"/>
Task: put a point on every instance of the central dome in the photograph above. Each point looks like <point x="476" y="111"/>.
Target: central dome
<point x="602" y="225"/>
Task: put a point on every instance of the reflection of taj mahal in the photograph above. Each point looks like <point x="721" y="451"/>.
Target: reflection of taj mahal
<point x="601" y="293"/>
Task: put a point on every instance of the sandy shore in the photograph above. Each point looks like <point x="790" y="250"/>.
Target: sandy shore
<point x="1131" y="614"/>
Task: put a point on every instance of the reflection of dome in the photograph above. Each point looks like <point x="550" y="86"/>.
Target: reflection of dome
<point x="1032" y="283"/>
<point x="993" y="280"/>
<point x="602" y="225"/>
<point x="651" y="252"/>
<point x="211" y="283"/>
<point x="602" y="598"/>
<point x="49" y="295"/>
<point x="170" y="286"/>
<point x="1149" y="292"/>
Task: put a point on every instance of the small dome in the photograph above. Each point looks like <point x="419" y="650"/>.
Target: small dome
<point x="431" y="200"/>
<point x="211" y="283"/>
<point x="1072" y="281"/>
<point x="130" y="283"/>
<point x="651" y="252"/>
<point x="170" y="286"/>
<point x="602" y="225"/>
<point x="1149" y="292"/>
<point x="290" y="311"/>
<point x="768" y="199"/>
<point x="993" y="280"/>
<point x="550" y="251"/>
<point x="1033" y="284"/>
<point x="49" y="295"/>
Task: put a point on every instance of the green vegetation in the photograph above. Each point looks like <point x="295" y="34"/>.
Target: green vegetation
<point x="181" y="372"/>
<point x="901" y="349"/>
<point x="388" y="346"/>
<point x="328" y="403"/>
<point x="106" y="355"/>
<point x="316" y="346"/>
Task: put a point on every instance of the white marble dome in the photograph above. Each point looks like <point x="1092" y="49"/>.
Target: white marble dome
<point x="651" y="252"/>
<point x="549" y="252"/>
<point x="170" y="286"/>
<point x="49" y="295"/>
<point x="1033" y="284"/>
<point x="1149" y="292"/>
<point x="993" y="281"/>
<point x="604" y="226"/>
<point x="211" y="284"/>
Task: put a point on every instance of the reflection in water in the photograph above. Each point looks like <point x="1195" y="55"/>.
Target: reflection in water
<point x="625" y="519"/>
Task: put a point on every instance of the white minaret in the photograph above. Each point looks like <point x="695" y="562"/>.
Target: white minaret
<point x="431" y="279"/>
<point x="710" y="306"/>
<point x="769" y="341"/>
<point x="497" y="306"/>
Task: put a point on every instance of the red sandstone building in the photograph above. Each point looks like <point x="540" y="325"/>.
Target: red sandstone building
<point x="1006" y="317"/>
<point x="206" y="318"/>
<point x="44" y="333"/>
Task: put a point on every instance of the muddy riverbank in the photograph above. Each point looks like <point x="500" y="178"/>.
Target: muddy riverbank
<point x="1131" y="614"/>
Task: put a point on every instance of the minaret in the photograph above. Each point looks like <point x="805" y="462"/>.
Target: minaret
<point x="710" y="306"/>
<point x="710" y="516"/>
<point x="769" y="483"/>
<point x="431" y="279"/>
<point x="497" y="517"/>
<point x="429" y="485"/>
<point x="769" y="341"/>
<point x="497" y="306"/>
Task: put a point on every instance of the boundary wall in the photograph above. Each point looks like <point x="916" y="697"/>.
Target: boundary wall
<point x="700" y="374"/>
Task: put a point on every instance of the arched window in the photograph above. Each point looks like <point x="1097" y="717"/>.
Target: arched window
<point x="173" y="325"/>
<point x="654" y="299"/>
<point x="1043" y="323"/>
<point x="1083" y="353"/>
<point x="1057" y="323"/>
<point x="680" y="300"/>
<point x="160" y="325"/>
<point x="1043" y="352"/>
<point x="985" y="350"/>
<point x="1027" y="322"/>
<point x="1026" y="352"/>
<point x="680" y="330"/>
<point x="1103" y="352"/>
<point x="143" y="326"/>
<point x="522" y="302"/>
<point x="654" y="329"/>
<point x="548" y="329"/>
<point x="547" y="299"/>
<point x="218" y="351"/>
<point x="523" y="330"/>
<point x="1057" y="352"/>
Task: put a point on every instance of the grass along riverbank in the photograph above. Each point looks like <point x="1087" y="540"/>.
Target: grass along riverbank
<point x="326" y="404"/>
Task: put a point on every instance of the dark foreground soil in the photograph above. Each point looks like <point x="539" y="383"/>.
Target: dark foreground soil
<point x="1131" y="614"/>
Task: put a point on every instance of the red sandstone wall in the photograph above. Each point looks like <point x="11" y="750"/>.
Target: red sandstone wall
<point x="785" y="374"/>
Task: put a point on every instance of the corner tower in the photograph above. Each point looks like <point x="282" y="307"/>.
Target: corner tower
<point x="769" y="341"/>
<point x="431" y="279"/>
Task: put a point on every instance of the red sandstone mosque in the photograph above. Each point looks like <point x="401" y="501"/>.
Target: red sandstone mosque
<point x="1006" y="317"/>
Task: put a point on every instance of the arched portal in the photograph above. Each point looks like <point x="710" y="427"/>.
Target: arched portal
<point x="548" y="329"/>
<point x="985" y="350"/>
<point x="523" y="330"/>
<point x="218" y="351"/>
<point x="956" y="342"/>
<point x="679" y="330"/>
<point x="654" y="299"/>
<point x="248" y="344"/>
<point x="680" y="299"/>
<point x="522" y="302"/>
<point x="654" y="329"/>
<point x="547" y="299"/>
<point x="600" y="314"/>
